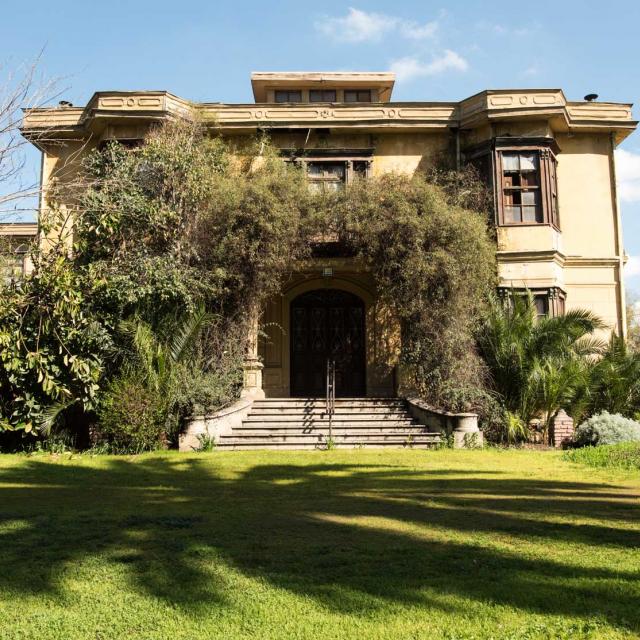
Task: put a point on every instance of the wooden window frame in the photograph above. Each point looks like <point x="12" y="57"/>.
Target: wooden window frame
<point x="357" y="92"/>
<point x="323" y="92"/>
<point x="555" y="297"/>
<point x="546" y="150"/>
<point x="350" y="174"/>
<point x="288" y="92"/>
<point x="547" y="185"/>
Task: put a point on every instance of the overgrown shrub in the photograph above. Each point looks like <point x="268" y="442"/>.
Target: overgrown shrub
<point x="625" y="455"/>
<point x="130" y="420"/>
<point x="434" y="265"/>
<point x="52" y="346"/>
<point x="606" y="428"/>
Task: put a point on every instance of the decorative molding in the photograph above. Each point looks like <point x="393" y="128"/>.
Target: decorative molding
<point x="22" y="229"/>
<point x="472" y="112"/>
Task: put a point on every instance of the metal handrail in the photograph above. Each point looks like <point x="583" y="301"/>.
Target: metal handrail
<point x="331" y="393"/>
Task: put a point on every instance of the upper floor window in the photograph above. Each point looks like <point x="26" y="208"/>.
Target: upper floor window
<point x="526" y="186"/>
<point x="521" y="187"/>
<point x="326" y="176"/>
<point x="12" y="264"/>
<point x="322" y="95"/>
<point x="357" y="95"/>
<point x="283" y="95"/>
<point x="332" y="175"/>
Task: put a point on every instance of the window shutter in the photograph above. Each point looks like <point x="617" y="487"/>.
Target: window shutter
<point x="549" y="187"/>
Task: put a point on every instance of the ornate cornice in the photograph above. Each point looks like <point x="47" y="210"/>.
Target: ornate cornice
<point x="126" y="107"/>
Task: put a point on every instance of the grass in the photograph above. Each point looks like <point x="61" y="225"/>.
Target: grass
<point x="337" y="544"/>
<point x="617" y="456"/>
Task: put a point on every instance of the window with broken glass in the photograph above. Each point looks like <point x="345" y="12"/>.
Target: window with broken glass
<point x="528" y="187"/>
<point x="326" y="176"/>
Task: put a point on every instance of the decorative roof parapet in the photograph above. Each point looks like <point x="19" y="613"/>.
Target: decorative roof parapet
<point x="116" y="107"/>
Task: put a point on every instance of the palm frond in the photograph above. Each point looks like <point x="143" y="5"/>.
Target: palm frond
<point x="186" y="333"/>
<point x="52" y="414"/>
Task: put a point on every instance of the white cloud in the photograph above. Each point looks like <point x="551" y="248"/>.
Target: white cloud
<point x="356" y="26"/>
<point x="361" y="26"/>
<point x="415" y="31"/>
<point x="531" y="71"/>
<point x="632" y="268"/>
<point x="628" y="175"/>
<point x="411" y="67"/>
<point x="504" y="30"/>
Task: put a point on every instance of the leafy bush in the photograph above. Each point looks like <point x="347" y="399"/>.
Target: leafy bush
<point x="434" y="266"/>
<point x="606" y="428"/>
<point x="130" y="418"/>
<point x="166" y="371"/>
<point x="52" y="347"/>
<point x="622" y="456"/>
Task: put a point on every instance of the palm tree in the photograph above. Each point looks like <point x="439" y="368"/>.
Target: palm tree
<point x="150" y="356"/>
<point x="537" y="365"/>
<point x="614" y="384"/>
<point x="155" y="355"/>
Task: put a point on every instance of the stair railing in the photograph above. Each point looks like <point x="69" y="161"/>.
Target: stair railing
<point x="331" y="393"/>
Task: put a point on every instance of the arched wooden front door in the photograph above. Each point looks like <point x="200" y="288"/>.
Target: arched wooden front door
<point x="327" y="324"/>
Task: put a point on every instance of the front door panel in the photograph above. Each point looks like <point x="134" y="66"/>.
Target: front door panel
<point x="327" y="324"/>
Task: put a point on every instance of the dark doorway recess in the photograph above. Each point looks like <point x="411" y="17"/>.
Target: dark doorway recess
<point x="327" y="324"/>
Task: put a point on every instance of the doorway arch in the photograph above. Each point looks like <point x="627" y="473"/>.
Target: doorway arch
<point x="327" y="324"/>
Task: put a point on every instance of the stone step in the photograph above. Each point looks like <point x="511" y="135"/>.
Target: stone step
<point x="401" y="439"/>
<point x="406" y="421"/>
<point x="321" y="402"/>
<point x="402" y="433"/>
<point x="320" y="411"/>
<point x="337" y="417"/>
<point x="351" y="431"/>
<point x="302" y="446"/>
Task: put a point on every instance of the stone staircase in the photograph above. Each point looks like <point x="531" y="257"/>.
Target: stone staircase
<point x="301" y="423"/>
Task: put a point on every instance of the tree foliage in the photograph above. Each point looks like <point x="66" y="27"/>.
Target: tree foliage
<point x="434" y="264"/>
<point x="51" y="346"/>
<point x="188" y="221"/>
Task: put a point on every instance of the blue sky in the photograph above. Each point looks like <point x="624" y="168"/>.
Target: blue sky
<point x="205" y="50"/>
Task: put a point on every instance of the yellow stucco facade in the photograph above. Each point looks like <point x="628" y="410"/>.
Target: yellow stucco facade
<point x="573" y="253"/>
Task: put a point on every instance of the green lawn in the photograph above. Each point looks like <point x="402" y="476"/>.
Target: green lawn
<point x="334" y="544"/>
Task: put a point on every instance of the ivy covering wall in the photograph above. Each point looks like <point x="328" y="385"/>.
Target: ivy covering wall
<point x="187" y="224"/>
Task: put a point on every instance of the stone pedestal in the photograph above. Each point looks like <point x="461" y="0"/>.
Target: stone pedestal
<point x="252" y="381"/>
<point x="562" y="429"/>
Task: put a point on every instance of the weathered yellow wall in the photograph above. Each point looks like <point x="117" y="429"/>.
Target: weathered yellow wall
<point x="407" y="152"/>
<point x="61" y="166"/>
<point x="582" y="259"/>
<point x="586" y="205"/>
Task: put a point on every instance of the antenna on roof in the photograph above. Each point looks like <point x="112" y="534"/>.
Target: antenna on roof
<point x="590" y="97"/>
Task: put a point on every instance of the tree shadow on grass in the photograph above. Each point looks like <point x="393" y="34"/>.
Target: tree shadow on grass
<point x="352" y="537"/>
